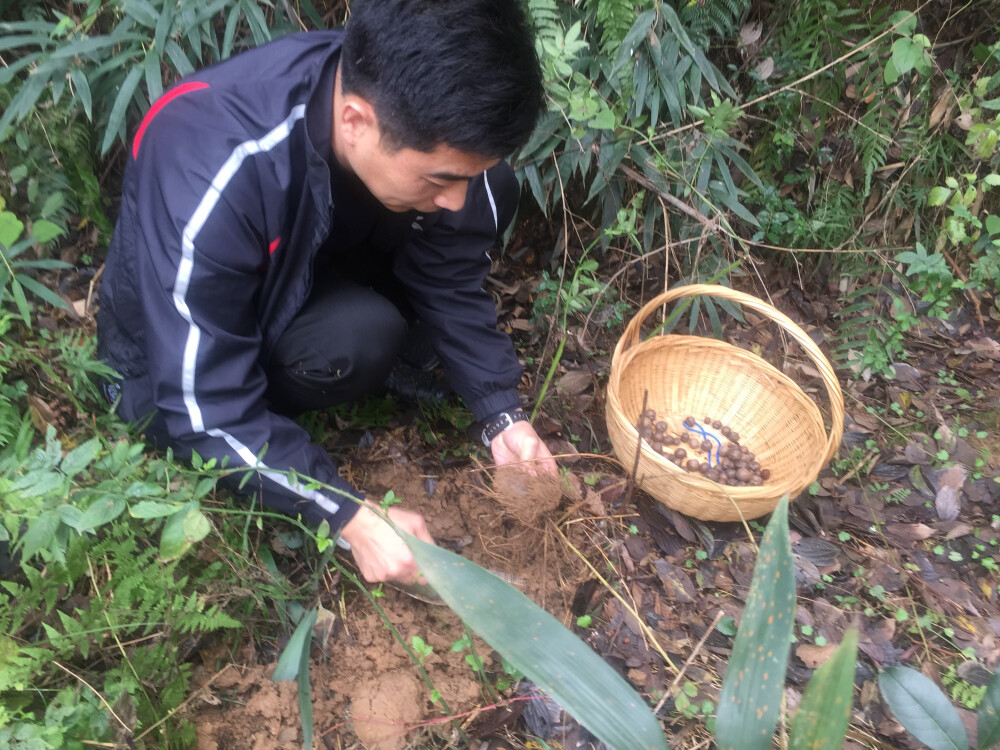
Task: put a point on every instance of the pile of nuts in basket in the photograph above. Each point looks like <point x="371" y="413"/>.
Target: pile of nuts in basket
<point x="698" y="450"/>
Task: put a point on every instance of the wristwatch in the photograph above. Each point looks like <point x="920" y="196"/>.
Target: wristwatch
<point x="504" y="421"/>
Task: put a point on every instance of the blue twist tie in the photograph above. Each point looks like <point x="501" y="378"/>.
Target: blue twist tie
<point x="701" y="431"/>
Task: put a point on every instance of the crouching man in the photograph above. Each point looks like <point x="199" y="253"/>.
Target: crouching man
<point x="289" y="215"/>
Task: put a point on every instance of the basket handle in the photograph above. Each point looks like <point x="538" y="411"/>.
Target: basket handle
<point x="633" y="332"/>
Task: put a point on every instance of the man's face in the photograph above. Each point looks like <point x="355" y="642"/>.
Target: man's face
<point x="409" y="180"/>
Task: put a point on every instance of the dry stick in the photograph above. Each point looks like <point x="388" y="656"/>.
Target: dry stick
<point x="100" y="697"/>
<point x="810" y="76"/>
<point x="716" y="227"/>
<point x="687" y="663"/>
<point x="860" y="465"/>
<point x="643" y="626"/>
<point x="190" y="698"/>
<point x="638" y="452"/>
<point x="677" y="203"/>
<point x="92" y="286"/>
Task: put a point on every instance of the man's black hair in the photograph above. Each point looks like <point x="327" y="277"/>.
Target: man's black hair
<point x="460" y="73"/>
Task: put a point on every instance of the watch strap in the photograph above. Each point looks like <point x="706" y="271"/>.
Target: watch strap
<point x="504" y="421"/>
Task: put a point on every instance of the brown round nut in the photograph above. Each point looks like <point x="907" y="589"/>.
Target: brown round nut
<point x="705" y="446"/>
<point x="693" y="464"/>
<point x="765" y="474"/>
<point x="704" y="468"/>
<point x="650" y="415"/>
<point x="657" y="446"/>
<point x="743" y="474"/>
<point x="756" y="481"/>
<point x="689" y="421"/>
<point x="646" y="432"/>
<point x="680" y="453"/>
<point x="724" y="451"/>
<point x="661" y="426"/>
<point x="725" y="430"/>
<point x="734" y="436"/>
<point x="713" y="474"/>
<point x="716" y="424"/>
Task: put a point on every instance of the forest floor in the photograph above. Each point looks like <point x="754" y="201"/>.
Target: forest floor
<point x="897" y="537"/>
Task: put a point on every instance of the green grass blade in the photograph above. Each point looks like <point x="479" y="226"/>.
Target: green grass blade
<point x="304" y="693"/>
<point x="755" y="677"/>
<point x="290" y="662"/>
<point x="825" y="711"/>
<point x="293" y="664"/>
<point x="923" y="710"/>
<point x="539" y="646"/>
<point x="989" y="716"/>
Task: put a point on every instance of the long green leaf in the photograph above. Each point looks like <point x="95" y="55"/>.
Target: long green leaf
<point x="989" y="716"/>
<point x="290" y="662"/>
<point x="825" y="711"/>
<point x="40" y="290"/>
<point x="923" y="710"/>
<point x="20" y="300"/>
<point x="540" y="647"/>
<point x="755" y="678"/>
<point x="116" y="120"/>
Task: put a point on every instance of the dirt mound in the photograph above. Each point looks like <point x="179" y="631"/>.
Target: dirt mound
<point x="524" y="496"/>
<point x="364" y="680"/>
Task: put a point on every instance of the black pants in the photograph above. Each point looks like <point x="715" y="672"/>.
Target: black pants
<point x="341" y="345"/>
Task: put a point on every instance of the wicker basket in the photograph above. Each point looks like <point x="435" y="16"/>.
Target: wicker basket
<point x="691" y="375"/>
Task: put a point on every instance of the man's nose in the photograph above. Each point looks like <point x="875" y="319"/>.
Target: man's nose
<point x="452" y="198"/>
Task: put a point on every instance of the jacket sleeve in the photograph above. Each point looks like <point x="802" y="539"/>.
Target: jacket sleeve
<point x="443" y="268"/>
<point x="199" y="245"/>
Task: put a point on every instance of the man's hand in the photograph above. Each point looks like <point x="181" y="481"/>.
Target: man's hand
<point x="520" y="446"/>
<point x="380" y="553"/>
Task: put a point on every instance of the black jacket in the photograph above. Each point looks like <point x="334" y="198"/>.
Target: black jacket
<point x="226" y="205"/>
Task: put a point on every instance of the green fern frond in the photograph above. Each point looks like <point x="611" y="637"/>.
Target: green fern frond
<point x="614" y="18"/>
<point x="713" y="17"/>
<point x="544" y="15"/>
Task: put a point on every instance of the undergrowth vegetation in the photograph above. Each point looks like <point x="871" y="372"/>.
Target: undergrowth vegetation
<point x="855" y="145"/>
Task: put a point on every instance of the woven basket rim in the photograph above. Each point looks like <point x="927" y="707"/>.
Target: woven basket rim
<point x="758" y="500"/>
<point x="672" y="341"/>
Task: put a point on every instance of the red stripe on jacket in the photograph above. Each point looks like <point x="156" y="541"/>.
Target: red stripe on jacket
<point x="160" y="103"/>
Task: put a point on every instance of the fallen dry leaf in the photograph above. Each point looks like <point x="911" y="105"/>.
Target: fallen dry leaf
<point x="909" y="532"/>
<point x="947" y="502"/>
<point x="750" y="33"/>
<point x="815" y="656"/>
<point x="765" y="68"/>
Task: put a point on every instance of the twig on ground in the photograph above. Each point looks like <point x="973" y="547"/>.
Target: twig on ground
<point x="642" y="625"/>
<point x="687" y="662"/>
<point x="638" y="452"/>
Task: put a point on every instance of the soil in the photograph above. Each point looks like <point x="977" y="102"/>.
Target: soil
<point x="365" y="687"/>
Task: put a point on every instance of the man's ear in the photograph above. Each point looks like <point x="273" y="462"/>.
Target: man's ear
<point x="356" y="120"/>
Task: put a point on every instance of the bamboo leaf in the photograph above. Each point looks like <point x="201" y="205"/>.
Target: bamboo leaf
<point x="20" y="300"/>
<point x="178" y="58"/>
<point x="42" y="291"/>
<point x="755" y="678"/>
<point x="82" y="86"/>
<point x="825" y="710"/>
<point x="116" y="120"/>
<point x="923" y="710"/>
<point x="989" y="715"/>
<point x="540" y="647"/>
